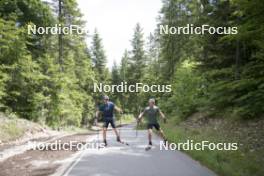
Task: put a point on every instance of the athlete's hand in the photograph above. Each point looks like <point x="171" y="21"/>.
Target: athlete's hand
<point x="95" y="122"/>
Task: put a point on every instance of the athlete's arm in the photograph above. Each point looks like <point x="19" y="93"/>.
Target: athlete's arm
<point x="118" y="109"/>
<point x="141" y="115"/>
<point x="97" y="113"/>
<point x="163" y="116"/>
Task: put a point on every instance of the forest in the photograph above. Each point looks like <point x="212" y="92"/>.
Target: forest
<point x="49" y="78"/>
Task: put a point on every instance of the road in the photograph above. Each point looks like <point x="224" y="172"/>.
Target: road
<point x="121" y="160"/>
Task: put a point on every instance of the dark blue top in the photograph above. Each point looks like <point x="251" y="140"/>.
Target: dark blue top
<point x="107" y="110"/>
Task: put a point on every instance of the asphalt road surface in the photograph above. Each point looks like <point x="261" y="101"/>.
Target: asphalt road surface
<point x="122" y="160"/>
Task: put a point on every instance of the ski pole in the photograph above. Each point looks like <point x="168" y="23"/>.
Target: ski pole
<point x="137" y="124"/>
<point x="120" y="121"/>
<point x="98" y="133"/>
<point x="137" y="129"/>
<point x="97" y="129"/>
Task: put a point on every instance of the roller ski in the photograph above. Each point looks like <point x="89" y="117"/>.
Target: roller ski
<point x="149" y="146"/>
<point x="122" y="142"/>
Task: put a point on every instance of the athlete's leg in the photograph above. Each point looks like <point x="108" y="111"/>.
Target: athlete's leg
<point x="106" y="123"/>
<point x="115" y="130"/>
<point x="149" y="127"/>
<point x="117" y="134"/>
<point x="104" y="134"/>
<point x="161" y="133"/>
<point x="150" y="136"/>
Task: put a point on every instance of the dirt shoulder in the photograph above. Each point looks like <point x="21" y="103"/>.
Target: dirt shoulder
<point x="19" y="136"/>
<point x="38" y="162"/>
<point x="16" y="131"/>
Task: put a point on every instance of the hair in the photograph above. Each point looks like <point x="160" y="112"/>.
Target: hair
<point x="152" y="100"/>
<point x="105" y="97"/>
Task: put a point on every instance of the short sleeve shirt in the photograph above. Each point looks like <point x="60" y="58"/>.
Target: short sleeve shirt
<point x="107" y="110"/>
<point x="151" y="114"/>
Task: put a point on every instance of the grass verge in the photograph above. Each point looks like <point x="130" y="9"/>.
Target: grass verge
<point x="125" y="119"/>
<point x="242" y="162"/>
<point x="10" y="131"/>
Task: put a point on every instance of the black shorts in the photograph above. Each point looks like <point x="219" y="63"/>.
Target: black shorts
<point x="106" y="123"/>
<point x="155" y="125"/>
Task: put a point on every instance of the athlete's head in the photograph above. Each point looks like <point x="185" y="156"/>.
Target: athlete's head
<point x="151" y="102"/>
<point x="105" y="98"/>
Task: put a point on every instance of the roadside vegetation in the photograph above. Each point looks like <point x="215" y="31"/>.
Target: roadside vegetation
<point x="247" y="160"/>
<point x="10" y="131"/>
<point x="13" y="128"/>
<point x="49" y="79"/>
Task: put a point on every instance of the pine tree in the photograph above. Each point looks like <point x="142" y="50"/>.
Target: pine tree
<point x="123" y="72"/>
<point x="136" y="65"/>
<point x="116" y="79"/>
<point x="137" y="60"/>
<point x="33" y="83"/>
<point x="173" y="13"/>
<point x="72" y="98"/>
<point x="98" y="57"/>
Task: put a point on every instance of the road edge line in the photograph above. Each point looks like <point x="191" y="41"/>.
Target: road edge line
<point x="65" y="169"/>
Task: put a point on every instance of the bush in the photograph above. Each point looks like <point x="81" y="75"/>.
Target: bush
<point x="187" y="89"/>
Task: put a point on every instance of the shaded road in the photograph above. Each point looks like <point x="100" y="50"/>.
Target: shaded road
<point x="121" y="160"/>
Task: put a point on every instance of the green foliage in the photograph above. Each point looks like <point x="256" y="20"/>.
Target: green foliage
<point x="234" y="63"/>
<point x="231" y="64"/>
<point x="133" y="66"/>
<point x="49" y="80"/>
<point x="99" y="58"/>
<point x="137" y="60"/>
<point x="227" y="77"/>
<point x="188" y="89"/>
<point x="37" y="81"/>
<point x="116" y="79"/>
<point x="173" y="47"/>
<point x="233" y="163"/>
<point x="11" y="131"/>
<point x="22" y="72"/>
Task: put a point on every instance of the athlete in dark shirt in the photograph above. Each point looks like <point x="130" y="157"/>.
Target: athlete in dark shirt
<point x="107" y="111"/>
